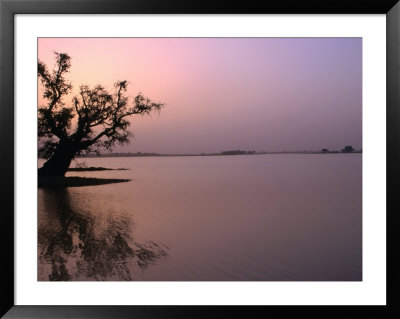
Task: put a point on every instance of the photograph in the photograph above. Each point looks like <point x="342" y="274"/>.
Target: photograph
<point x="200" y="159"/>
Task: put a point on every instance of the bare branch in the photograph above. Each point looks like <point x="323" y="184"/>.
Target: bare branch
<point x="102" y="117"/>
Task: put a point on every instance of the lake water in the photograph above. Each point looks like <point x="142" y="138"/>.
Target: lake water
<point x="286" y="217"/>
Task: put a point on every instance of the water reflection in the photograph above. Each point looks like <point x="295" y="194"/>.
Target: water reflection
<point x="77" y="244"/>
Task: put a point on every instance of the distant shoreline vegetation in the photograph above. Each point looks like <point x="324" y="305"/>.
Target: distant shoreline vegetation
<point x="347" y="150"/>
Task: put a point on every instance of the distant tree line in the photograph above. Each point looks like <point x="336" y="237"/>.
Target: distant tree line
<point x="346" y="149"/>
<point x="237" y="152"/>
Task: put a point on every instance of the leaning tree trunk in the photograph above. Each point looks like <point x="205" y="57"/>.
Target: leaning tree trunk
<point x="57" y="165"/>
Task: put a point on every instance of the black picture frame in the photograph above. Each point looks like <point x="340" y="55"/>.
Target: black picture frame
<point x="8" y="8"/>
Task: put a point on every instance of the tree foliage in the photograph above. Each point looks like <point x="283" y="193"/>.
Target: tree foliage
<point x="94" y="119"/>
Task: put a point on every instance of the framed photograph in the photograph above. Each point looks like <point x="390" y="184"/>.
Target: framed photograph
<point x="173" y="159"/>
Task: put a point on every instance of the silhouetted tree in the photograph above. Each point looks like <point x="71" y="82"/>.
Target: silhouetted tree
<point x="95" y="119"/>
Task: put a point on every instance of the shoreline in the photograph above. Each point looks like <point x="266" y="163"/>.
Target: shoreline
<point x="218" y="154"/>
<point x="76" y="181"/>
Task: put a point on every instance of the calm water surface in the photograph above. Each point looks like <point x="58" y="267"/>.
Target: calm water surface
<point x="257" y="217"/>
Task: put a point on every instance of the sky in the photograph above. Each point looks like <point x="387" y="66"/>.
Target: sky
<point x="261" y="94"/>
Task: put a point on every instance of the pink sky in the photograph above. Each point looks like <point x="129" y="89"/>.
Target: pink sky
<point x="263" y="94"/>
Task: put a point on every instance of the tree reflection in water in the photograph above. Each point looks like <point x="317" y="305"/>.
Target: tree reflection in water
<point x="77" y="246"/>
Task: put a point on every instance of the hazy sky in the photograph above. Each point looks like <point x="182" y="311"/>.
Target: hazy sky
<point x="263" y="94"/>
